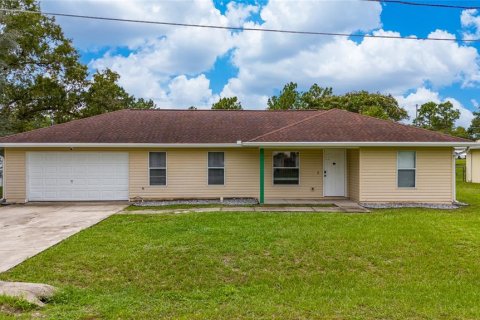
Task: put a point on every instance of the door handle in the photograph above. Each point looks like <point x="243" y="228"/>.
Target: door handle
<point x="325" y="173"/>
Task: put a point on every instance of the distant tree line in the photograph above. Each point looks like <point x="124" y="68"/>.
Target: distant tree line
<point x="431" y="115"/>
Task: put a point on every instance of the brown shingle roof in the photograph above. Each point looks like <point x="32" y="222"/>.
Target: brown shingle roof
<point x="217" y="126"/>
<point x="338" y="125"/>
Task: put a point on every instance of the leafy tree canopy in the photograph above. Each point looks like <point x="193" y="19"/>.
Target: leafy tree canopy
<point x="437" y="116"/>
<point x="318" y="98"/>
<point x="230" y="103"/>
<point x="474" y="129"/>
<point x="43" y="79"/>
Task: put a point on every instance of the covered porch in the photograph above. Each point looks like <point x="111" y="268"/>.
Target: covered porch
<point x="309" y="175"/>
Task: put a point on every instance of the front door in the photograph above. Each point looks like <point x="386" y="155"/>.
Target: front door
<point x="334" y="172"/>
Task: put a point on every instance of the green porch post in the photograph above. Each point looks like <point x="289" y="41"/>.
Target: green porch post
<point x="262" y="176"/>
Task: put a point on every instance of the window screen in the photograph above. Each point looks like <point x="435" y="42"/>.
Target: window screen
<point x="216" y="168"/>
<point x="158" y="168"/>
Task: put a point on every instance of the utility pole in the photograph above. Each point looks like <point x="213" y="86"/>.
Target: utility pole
<point x="416" y="111"/>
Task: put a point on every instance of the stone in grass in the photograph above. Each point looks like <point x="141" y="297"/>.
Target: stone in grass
<point x="34" y="293"/>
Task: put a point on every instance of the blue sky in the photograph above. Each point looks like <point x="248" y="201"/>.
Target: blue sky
<point x="179" y="67"/>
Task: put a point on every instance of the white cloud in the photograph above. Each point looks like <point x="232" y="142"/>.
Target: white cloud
<point x="475" y="103"/>
<point x="471" y="23"/>
<point x="238" y="13"/>
<point x="423" y="95"/>
<point x="392" y="66"/>
<point x="184" y="92"/>
<point x="88" y="34"/>
<point x="162" y="59"/>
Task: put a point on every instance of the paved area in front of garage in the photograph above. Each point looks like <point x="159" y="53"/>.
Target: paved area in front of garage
<point x="26" y="230"/>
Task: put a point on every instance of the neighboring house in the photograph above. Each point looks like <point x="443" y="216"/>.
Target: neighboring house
<point x="172" y="154"/>
<point x="473" y="164"/>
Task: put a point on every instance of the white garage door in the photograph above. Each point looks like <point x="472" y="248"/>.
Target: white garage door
<point x="77" y="176"/>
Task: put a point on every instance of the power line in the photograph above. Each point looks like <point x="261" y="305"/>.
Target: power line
<point x="206" y="26"/>
<point x="425" y="4"/>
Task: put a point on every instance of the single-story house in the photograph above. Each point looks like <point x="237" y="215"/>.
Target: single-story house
<point x="173" y="154"/>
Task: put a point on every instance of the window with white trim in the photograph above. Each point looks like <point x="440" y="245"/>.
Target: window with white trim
<point x="216" y="168"/>
<point x="157" y="166"/>
<point x="406" y="169"/>
<point x="286" y="168"/>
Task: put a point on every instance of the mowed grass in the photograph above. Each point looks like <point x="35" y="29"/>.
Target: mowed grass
<point x="389" y="264"/>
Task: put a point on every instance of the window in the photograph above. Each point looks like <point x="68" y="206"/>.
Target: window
<point x="406" y="164"/>
<point x="216" y="168"/>
<point x="285" y="168"/>
<point x="157" y="165"/>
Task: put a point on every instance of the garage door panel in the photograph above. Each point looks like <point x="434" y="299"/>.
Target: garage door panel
<point x="75" y="176"/>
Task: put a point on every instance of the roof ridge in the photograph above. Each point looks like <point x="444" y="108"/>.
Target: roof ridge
<point x="61" y="124"/>
<point x="404" y="125"/>
<point x="320" y="112"/>
<point x="220" y="110"/>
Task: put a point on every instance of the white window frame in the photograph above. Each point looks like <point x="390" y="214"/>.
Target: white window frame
<point x="414" y="169"/>
<point x="224" y="168"/>
<point x="273" y="169"/>
<point x="166" y="169"/>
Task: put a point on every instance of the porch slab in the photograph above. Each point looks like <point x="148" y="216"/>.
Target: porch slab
<point x="284" y="209"/>
<point x="293" y="206"/>
<point x="339" y="205"/>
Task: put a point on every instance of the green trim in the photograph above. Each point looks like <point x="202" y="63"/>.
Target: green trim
<point x="262" y="176"/>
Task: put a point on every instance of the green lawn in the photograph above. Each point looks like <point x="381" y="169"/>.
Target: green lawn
<point x="389" y="264"/>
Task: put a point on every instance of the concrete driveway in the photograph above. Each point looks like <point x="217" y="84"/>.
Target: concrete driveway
<point x="26" y="230"/>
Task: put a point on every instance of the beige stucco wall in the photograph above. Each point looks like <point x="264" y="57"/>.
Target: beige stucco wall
<point x="434" y="179"/>
<point x="311" y="176"/>
<point x="473" y="166"/>
<point x="353" y="173"/>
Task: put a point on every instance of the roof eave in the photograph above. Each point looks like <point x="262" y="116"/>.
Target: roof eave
<point x="118" y="145"/>
<point x="359" y="144"/>
<point x="239" y="144"/>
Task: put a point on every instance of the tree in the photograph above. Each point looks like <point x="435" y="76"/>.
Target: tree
<point x="288" y="99"/>
<point x="437" y="116"/>
<point x="319" y="98"/>
<point x="373" y="104"/>
<point x="43" y="74"/>
<point x="105" y="95"/>
<point x="474" y="129"/>
<point x="231" y="103"/>
<point x="316" y="98"/>
<point x="44" y="81"/>
<point x="461" y="132"/>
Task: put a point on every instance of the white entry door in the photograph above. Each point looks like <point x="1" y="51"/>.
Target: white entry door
<point x="77" y="176"/>
<point x="334" y="172"/>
